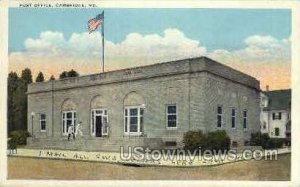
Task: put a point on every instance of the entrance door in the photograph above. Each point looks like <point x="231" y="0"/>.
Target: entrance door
<point x="98" y="127"/>
<point x="99" y="122"/>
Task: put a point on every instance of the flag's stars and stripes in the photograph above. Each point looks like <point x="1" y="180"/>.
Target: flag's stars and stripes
<point x="94" y="23"/>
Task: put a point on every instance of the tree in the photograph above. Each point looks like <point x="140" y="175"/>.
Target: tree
<point x="20" y="112"/>
<point x="73" y="73"/>
<point x="21" y="100"/>
<point x="52" y="78"/>
<point x="63" y="75"/>
<point x="40" y="77"/>
<point x="26" y="76"/>
<point x="12" y="84"/>
<point x="17" y="100"/>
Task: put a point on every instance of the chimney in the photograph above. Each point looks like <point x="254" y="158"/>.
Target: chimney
<point x="267" y="88"/>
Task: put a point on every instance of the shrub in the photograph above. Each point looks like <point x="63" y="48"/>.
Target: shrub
<point x="274" y="143"/>
<point x="18" y="137"/>
<point x="217" y="140"/>
<point x="193" y="140"/>
<point x="11" y="144"/>
<point x="259" y="139"/>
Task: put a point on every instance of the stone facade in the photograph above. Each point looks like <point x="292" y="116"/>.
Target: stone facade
<point x="196" y="87"/>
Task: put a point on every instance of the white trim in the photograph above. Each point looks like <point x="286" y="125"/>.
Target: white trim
<point x="64" y="121"/>
<point x="44" y="120"/>
<point x="167" y="114"/>
<point x="93" y="121"/>
<point x="107" y="122"/>
<point x="128" y="116"/>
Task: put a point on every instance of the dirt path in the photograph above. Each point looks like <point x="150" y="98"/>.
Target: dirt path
<point x="32" y="168"/>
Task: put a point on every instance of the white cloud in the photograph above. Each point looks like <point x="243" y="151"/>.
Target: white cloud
<point x="264" y="57"/>
<point x="258" y="49"/>
<point x="138" y="49"/>
<point x="172" y="45"/>
<point x="49" y="43"/>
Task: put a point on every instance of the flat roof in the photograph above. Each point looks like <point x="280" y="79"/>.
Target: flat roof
<point x="184" y="66"/>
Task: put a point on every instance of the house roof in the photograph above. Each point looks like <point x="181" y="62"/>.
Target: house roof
<point x="278" y="99"/>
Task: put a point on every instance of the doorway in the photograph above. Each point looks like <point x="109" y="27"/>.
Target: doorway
<point x="98" y="126"/>
<point x="99" y="122"/>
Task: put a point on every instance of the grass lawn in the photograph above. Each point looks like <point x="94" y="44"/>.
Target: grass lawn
<point x="33" y="168"/>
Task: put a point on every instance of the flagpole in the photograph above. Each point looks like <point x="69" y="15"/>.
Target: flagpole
<point x="103" y="43"/>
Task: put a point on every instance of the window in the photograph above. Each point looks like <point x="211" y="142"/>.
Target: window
<point x="171" y="116"/>
<point x="245" y="119"/>
<point x="219" y="116"/>
<point x="134" y="120"/>
<point x="277" y="131"/>
<point x="170" y="143"/>
<point x="276" y="115"/>
<point x="68" y="119"/>
<point x="43" y="122"/>
<point x="233" y="117"/>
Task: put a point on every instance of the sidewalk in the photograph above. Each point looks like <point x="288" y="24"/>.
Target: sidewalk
<point x="140" y="159"/>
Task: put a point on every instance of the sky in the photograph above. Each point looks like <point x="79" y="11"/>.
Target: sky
<point x="255" y="41"/>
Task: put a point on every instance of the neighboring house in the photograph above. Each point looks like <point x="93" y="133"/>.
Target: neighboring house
<point x="276" y="113"/>
<point x="150" y="106"/>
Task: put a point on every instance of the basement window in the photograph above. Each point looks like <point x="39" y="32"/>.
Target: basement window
<point x="171" y="143"/>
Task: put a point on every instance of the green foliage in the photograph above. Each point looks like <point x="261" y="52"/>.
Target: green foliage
<point x="17" y="100"/>
<point x="18" y="137"/>
<point x="20" y="106"/>
<point x="63" y="75"/>
<point x="259" y="139"/>
<point x="26" y="76"/>
<point x="12" y="84"/>
<point x="274" y="143"/>
<point x="193" y="140"/>
<point x="52" y="78"/>
<point x="71" y="73"/>
<point x="40" y="77"/>
<point x="11" y="143"/>
<point x="217" y="140"/>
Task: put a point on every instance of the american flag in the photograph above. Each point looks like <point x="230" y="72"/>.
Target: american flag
<point x="94" y="23"/>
